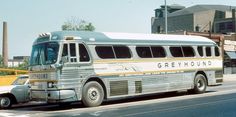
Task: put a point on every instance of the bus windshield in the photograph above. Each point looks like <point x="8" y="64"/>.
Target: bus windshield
<point x="44" y="53"/>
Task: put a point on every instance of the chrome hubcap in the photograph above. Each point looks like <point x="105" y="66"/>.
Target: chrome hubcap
<point x="200" y="84"/>
<point x="93" y="93"/>
<point x="5" y="102"/>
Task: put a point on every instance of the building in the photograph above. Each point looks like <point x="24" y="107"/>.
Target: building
<point x="17" y="60"/>
<point x="198" y="18"/>
<point x="158" y="21"/>
<point x="216" y="22"/>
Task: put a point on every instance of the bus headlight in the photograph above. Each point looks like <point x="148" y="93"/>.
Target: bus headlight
<point x="50" y="84"/>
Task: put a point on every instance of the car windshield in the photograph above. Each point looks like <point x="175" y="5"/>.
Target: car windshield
<point x="44" y="53"/>
<point x="20" y="80"/>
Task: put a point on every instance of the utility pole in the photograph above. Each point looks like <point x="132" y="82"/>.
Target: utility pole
<point x="166" y="30"/>
<point x="5" y="45"/>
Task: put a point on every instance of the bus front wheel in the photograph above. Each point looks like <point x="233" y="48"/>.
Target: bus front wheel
<point x="200" y="84"/>
<point x="92" y="94"/>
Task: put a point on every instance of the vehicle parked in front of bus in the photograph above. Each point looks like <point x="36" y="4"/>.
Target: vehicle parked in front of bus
<point x="16" y="93"/>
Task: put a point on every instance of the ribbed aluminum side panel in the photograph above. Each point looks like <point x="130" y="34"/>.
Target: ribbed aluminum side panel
<point x="69" y="78"/>
<point x="72" y="77"/>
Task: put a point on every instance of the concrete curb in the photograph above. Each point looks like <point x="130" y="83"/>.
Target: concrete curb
<point x="229" y="77"/>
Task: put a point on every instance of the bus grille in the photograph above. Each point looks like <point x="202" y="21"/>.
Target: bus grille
<point x="119" y="88"/>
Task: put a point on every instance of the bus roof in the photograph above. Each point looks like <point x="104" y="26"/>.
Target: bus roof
<point x="131" y="38"/>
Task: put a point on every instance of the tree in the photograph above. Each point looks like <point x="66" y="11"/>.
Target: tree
<point x="75" y="24"/>
<point x="24" y="65"/>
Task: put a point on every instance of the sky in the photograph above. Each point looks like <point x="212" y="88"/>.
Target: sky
<point x="26" y="19"/>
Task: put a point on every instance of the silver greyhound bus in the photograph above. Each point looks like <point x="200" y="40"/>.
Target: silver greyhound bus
<point x="68" y="66"/>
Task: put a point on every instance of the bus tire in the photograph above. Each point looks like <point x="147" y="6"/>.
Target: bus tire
<point x="5" y="102"/>
<point x="92" y="94"/>
<point x="200" y="84"/>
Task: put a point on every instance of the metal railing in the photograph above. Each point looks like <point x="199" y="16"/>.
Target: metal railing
<point x="14" y="71"/>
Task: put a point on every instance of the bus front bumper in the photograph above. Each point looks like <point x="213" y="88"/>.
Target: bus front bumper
<point x="53" y="96"/>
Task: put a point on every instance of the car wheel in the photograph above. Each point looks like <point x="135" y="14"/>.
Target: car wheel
<point x="5" y="102"/>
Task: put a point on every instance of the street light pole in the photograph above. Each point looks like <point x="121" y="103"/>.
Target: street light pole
<point x="166" y="30"/>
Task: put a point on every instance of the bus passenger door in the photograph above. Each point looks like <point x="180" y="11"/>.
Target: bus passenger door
<point x="75" y="53"/>
<point x="69" y="55"/>
<point x="69" y="59"/>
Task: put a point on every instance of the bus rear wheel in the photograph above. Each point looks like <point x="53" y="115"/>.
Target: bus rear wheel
<point x="200" y="84"/>
<point x="92" y="94"/>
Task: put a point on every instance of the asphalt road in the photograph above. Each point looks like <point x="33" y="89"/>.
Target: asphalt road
<point x="213" y="106"/>
<point x="219" y="101"/>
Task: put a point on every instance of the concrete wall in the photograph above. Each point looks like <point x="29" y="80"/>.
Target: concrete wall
<point x="180" y="23"/>
<point x="202" y="20"/>
<point x="158" y="22"/>
<point x="7" y="80"/>
<point x="175" y="23"/>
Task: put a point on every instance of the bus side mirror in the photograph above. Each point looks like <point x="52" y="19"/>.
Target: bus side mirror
<point x="64" y="59"/>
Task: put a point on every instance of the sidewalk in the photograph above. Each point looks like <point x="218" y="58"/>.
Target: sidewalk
<point x="229" y="77"/>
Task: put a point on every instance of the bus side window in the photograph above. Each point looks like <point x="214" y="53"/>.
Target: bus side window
<point x="217" y="52"/>
<point x="65" y="50"/>
<point x="105" y="52"/>
<point x="122" y="52"/>
<point x="158" y="51"/>
<point x="144" y="52"/>
<point x="73" y="52"/>
<point x="83" y="53"/>
<point x="188" y="51"/>
<point x="64" y="56"/>
<point x="176" y="51"/>
<point x="200" y="50"/>
<point x="208" y="51"/>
